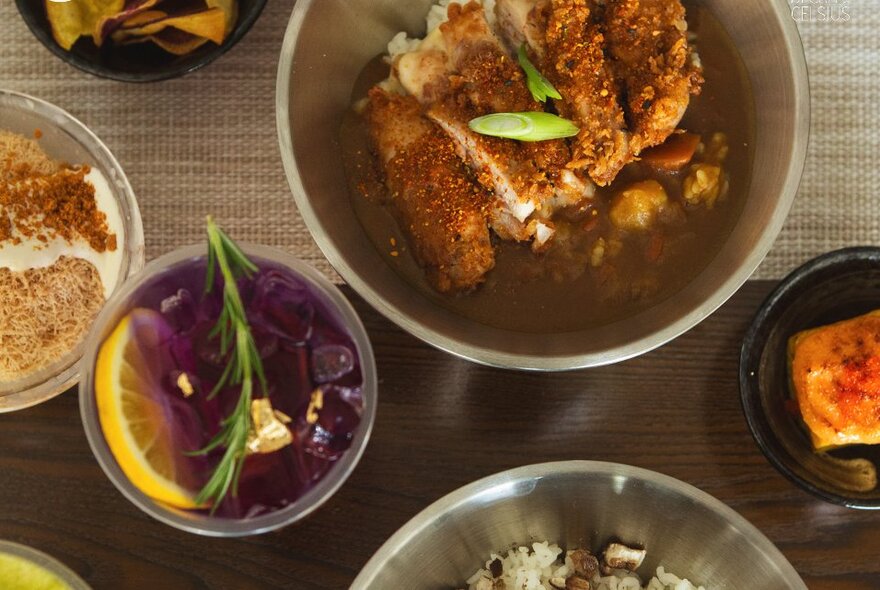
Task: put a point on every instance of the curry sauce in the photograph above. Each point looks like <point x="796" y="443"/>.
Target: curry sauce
<point x="594" y="272"/>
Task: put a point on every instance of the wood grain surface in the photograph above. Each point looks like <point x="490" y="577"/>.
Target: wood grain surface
<point x="442" y="423"/>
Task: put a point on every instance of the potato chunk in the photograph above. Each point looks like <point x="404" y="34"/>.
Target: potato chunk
<point x="703" y="185"/>
<point x="637" y="207"/>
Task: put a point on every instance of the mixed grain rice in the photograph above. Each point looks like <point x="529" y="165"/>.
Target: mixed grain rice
<point x="532" y="568"/>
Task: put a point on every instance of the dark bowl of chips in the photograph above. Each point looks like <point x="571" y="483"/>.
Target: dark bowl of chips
<point x="139" y="40"/>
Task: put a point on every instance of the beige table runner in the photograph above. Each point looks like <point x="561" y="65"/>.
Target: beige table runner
<point x="206" y="143"/>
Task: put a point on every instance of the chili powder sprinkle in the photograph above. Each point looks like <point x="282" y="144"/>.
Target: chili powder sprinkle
<point x="45" y="207"/>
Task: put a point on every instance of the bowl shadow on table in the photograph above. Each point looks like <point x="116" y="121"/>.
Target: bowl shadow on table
<point x="694" y="428"/>
<point x="732" y="467"/>
<point x="574" y="415"/>
<point x="838" y="286"/>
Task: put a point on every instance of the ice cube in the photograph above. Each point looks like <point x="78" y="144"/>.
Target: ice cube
<point x="281" y="305"/>
<point x="332" y="433"/>
<point x="180" y="310"/>
<point x="208" y="348"/>
<point x="330" y="362"/>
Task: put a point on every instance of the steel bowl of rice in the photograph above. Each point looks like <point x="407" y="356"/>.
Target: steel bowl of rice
<point x="578" y="525"/>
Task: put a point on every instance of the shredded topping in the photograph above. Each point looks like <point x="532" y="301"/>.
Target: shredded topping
<point x="44" y="313"/>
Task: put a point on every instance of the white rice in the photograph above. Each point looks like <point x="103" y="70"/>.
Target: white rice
<point x="531" y="568"/>
<point x="437" y="15"/>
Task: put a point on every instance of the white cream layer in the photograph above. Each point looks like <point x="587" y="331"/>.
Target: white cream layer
<point x="31" y="253"/>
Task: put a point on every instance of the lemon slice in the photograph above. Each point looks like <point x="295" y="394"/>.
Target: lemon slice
<point x="132" y="415"/>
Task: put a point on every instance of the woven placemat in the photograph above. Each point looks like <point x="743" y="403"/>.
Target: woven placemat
<point x="838" y="203"/>
<point x="206" y="143"/>
<point x="203" y="143"/>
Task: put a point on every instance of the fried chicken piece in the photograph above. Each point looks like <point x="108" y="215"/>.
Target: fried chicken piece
<point x="575" y="62"/>
<point x="443" y="211"/>
<point x="495" y="83"/>
<point x="566" y="42"/>
<point x="499" y="164"/>
<point x="422" y="73"/>
<point x="498" y="167"/>
<point x="519" y="25"/>
<point x="505" y="167"/>
<point x="491" y="79"/>
<point x="494" y="162"/>
<point x="653" y="63"/>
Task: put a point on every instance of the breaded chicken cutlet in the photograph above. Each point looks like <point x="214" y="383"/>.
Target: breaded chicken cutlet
<point x="436" y="202"/>
<point x="624" y="74"/>
<point x="654" y="64"/>
<point x="624" y="68"/>
<point x="462" y="72"/>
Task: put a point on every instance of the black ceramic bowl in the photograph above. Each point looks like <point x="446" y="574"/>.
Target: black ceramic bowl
<point x="142" y="62"/>
<point x="833" y="287"/>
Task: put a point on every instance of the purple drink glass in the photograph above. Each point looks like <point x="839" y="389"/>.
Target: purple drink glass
<point x="251" y="513"/>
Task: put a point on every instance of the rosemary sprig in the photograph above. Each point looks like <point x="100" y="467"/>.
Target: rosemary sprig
<point x="243" y="366"/>
<point x="539" y="86"/>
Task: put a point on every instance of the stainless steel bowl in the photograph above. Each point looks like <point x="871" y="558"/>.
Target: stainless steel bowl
<point x="327" y="44"/>
<point x="579" y="503"/>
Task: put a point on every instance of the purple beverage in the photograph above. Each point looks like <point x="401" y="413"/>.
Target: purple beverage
<point x="162" y="403"/>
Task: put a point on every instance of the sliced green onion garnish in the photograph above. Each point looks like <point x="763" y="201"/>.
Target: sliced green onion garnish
<point x="524" y="126"/>
<point x="539" y="86"/>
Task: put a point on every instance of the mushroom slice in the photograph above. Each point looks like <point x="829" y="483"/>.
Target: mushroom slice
<point x="619" y="556"/>
<point x="577" y="582"/>
<point x="585" y="563"/>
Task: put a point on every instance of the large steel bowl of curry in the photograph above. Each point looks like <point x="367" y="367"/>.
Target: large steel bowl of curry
<point x="326" y="58"/>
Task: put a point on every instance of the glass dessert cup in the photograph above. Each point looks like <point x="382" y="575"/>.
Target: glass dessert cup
<point x="65" y="138"/>
<point x="44" y="562"/>
<point x="167" y="272"/>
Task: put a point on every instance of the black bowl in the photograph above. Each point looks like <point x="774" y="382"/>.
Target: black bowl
<point x="142" y="62"/>
<point x="833" y="287"/>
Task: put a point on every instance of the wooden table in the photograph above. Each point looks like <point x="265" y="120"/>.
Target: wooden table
<point x="442" y="423"/>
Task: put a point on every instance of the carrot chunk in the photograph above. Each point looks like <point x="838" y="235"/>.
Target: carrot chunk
<point x="673" y="154"/>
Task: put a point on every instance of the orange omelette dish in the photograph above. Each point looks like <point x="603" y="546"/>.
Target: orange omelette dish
<point x="835" y="376"/>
